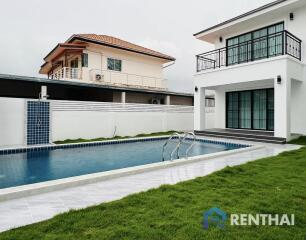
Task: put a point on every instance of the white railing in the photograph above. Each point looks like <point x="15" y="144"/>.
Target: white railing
<point x="125" y="79"/>
<point x="67" y="73"/>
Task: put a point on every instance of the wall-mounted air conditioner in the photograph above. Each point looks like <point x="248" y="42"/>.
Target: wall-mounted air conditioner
<point x="99" y="77"/>
<point x="155" y="101"/>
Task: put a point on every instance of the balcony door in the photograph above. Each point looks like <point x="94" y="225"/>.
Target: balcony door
<point x="259" y="44"/>
<point x="253" y="109"/>
<point x="74" y="71"/>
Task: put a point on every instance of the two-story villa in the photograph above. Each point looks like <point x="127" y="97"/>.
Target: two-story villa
<point x="257" y="71"/>
<point x="106" y="60"/>
<point x="113" y="70"/>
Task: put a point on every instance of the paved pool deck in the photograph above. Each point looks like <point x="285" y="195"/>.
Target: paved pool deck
<point x="27" y="210"/>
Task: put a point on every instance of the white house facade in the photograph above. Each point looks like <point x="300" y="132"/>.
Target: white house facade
<point x="257" y="71"/>
<point x="107" y="60"/>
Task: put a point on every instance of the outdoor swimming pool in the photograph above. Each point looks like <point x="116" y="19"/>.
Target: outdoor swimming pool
<point x="44" y="164"/>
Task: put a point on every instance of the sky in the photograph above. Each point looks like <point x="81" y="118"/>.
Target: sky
<point x="31" y="28"/>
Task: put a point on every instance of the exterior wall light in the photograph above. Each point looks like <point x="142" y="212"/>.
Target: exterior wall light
<point x="279" y="79"/>
<point x="291" y="16"/>
<point x="221" y="39"/>
<point x="196" y="89"/>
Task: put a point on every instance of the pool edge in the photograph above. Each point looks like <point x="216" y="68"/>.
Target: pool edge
<point x="59" y="184"/>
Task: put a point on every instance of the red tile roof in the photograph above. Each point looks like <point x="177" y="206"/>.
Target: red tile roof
<point x="118" y="43"/>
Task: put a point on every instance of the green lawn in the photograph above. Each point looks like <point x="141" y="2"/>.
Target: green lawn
<point x="272" y="185"/>
<point x="80" y="140"/>
<point x="301" y="141"/>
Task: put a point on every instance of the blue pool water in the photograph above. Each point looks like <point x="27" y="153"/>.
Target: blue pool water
<point x="33" y="167"/>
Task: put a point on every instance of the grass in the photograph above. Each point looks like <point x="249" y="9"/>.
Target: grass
<point x="300" y="141"/>
<point x="272" y="185"/>
<point x="80" y="140"/>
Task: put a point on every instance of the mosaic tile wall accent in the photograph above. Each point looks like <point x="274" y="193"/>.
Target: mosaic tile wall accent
<point x="38" y="122"/>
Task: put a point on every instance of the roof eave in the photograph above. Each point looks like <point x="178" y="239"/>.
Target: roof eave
<point x="74" y="37"/>
<point x="264" y="7"/>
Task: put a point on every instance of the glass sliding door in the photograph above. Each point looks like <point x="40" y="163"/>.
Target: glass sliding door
<point x="245" y="110"/>
<point x="232" y="51"/>
<point x="259" y="44"/>
<point x="260" y="109"/>
<point x="253" y="109"/>
<point x="260" y="48"/>
<point x="232" y="106"/>
<point x="245" y="48"/>
<point x="270" y="110"/>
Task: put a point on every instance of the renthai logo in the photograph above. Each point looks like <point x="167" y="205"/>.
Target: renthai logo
<point x="215" y="217"/>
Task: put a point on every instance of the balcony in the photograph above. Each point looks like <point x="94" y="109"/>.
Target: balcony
<point x="276" y="44"/>
<point x="110" y="78"/>
<point x="67" y="73"/>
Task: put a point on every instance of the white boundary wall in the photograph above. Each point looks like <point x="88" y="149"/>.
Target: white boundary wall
<point x="71" y="120"/>
<point x="12" y="121"/>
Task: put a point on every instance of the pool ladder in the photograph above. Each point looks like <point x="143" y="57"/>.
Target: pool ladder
<point x="177" y="147"/>
<point x="191" y="145"/>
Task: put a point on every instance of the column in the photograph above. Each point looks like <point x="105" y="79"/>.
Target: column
<point x="167" y="102"/>
<point x="199" y="109"/>
<point x="282" y="108"/>
<point x="123" y="97"/>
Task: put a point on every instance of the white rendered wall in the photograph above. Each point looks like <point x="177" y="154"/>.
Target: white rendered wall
<point x="257" y="75"/>
<point x="210" y="117"/>
<point x="72" y="120"/>
<point x="298" y="106"/>
<point x="135" y="67"/>
<point x="12" y="121"/>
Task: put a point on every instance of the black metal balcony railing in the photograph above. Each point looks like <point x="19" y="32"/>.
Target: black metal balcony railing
<point x="280" y="43"/>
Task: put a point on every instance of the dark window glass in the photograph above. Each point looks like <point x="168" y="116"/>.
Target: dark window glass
<point x="232" y="109"/>
<point x="114" y="64"/>
<point x="245" y="107"/>
<point x="270" y="94"/>
<point x="259" y="44"/>
<point x="260" y="109"/>
<point x="252" y="109"/>
<point x="84" y="60"/>
<point x="74" y="63"/>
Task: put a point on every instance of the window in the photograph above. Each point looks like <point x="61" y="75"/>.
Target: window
<point x="253" y="109"/>
<point x="259" y="44"/>
<point x="114" y="64"/>
<point x="232" y="101"/>
<point x="209" y="102"/>
<point x="245" y="113"/>
<point x="74" y="63"/>
<point x="84" y="60"/>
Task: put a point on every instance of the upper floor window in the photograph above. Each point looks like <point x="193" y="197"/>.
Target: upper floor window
<point x="74" y="63"/>
<point x="259" y="44"/>
<point x="114" y="64"/>
<point x="84" y="60"/>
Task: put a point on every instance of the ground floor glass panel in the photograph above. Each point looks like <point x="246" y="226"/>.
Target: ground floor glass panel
<point x="253" y="109"/>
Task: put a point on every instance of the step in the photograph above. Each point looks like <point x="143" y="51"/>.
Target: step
<point x="243" y="137"/>
<point x="241" y="134"/>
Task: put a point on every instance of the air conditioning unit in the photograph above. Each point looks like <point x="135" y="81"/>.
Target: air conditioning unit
<point x="99" y="77"/>
<point x="155" y="101"/>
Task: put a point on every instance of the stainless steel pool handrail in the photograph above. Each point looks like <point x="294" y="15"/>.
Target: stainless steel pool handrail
<point x="166" y="143"/>
<point x="191" y="145"/>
